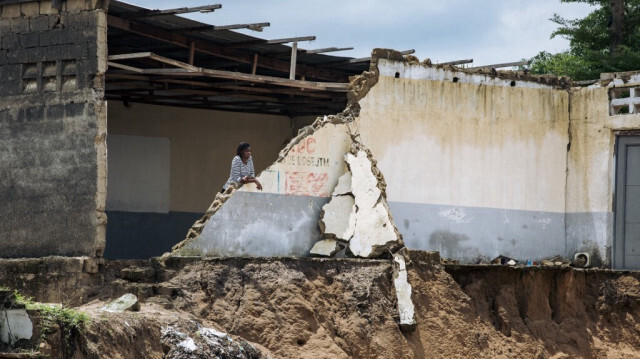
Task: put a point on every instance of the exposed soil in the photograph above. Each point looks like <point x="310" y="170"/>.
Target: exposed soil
<point x="345" y="308"/>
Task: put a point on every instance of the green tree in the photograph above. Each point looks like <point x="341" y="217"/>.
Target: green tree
<point x="606" y="40"/>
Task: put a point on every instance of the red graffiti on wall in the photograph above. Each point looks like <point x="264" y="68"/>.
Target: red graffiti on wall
<point x="306" y="184"/>
<point x="306" y="146"/>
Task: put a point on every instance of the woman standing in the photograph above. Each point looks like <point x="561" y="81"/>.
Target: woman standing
<point x="242" y="168"/>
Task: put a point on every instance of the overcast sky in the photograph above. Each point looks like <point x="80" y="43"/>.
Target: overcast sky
<point x="489" y="31"/>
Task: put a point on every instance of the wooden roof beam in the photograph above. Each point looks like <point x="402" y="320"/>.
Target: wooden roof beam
<point x="180" y="10"/>
<point x="367" y="59"/>
<point x="185" y="69"/>
<point x="271" y="42"/>
<point x="222" y="51"/>
<point x="497" y="66"/>
<point x="315" y="51"/>
<point x="456" y="62"/>
<point x="227" y="86"/>
<point x="258" y="26"/>
<point x="327" y="49"/>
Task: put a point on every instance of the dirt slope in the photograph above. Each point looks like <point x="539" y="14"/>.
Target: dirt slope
<point x="310" y="308"/>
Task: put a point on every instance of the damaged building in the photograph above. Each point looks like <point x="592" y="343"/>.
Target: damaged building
<point x="117" y="124"/>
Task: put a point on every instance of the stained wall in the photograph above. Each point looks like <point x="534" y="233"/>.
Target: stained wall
<point x="475" y="165"/>
<point x="52" y="129"/>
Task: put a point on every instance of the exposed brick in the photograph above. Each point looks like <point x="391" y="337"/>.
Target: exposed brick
<point x="78" y="20"/>
<point x="17" y="56"/>
<point x="5" y="27"/>
<point x="35" y="113"/>
<point x="54" y="21"/>
<point x="9" y="11"/>
<point x="68" y="36"/>
<point x="21" y="116"/>
<point x="19" y="25"/>
<point x="92" y="4"/>
<point x="74" y="109"/>
<point x="78" y="51"/>
<point x="10" y="41"/>
<point x="10" y="73"/>
<point x="29" y="40"/>
<point x="49" y="38"/>
<point x="55" y="112"/>
<point x="5" y="116"/>
<point x="74" y="6"/>
<point x="3" y="57"/>
<point x="87" y="35"/>
<point x="36" y="54"/>
<point x="46" y="8"/>
<point x="30" y="8"/>
<point x="38" y="24"/>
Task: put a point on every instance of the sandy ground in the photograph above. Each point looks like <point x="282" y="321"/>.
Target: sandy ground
<point x="346" y="309"/>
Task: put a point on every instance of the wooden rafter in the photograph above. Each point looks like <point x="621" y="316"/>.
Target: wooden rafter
<point x="223" y="51"/>
<point x="258" y="26"/>
<point x="180" y="10"/>
<point x="184" y="69"/>
<point x="235" y="86"/>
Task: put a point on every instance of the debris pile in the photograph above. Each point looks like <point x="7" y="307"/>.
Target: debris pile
<point x="205" y="343"/>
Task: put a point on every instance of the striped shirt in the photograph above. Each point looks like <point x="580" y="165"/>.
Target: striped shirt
<point x="239" y="170"/>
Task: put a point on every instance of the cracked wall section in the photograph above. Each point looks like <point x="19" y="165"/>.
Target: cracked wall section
<point x="299" y="172"/>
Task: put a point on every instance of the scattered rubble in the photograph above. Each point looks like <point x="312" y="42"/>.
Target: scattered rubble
<point x="125" y="302"/>
<point x="205" y="343"/>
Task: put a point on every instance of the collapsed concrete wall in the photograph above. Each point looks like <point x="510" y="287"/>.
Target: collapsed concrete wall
<point x="52" y="129"/>
<point x="282" y="219"/>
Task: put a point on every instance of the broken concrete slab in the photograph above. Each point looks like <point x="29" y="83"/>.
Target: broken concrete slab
<point x="326" y="248"/>
<point x="282" y="219"/>
<point x="406" y="309"/>
<point x="344" y="185"/>
<point x="15" y="324"/>
<point x="126" y="302"/>
<point x="338" y="218"/>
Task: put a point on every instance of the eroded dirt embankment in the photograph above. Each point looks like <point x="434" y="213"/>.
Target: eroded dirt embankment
<point x="345" y="308"/>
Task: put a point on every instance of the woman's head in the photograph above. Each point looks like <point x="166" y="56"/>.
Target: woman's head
<point x="244" y="150"/>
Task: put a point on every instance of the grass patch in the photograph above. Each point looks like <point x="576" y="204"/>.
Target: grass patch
<point x="70" y="321"/>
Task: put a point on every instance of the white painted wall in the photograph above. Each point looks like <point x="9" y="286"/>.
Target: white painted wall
<point x="477" y="142"/>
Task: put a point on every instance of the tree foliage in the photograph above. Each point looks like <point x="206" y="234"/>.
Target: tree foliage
<point x="606" y="40"/>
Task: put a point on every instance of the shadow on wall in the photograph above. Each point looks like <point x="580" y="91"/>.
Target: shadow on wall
<point x="139" y="235"/>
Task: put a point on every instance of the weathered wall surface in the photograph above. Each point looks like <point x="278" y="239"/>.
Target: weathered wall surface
<point x="475" y="165"/>
<point x="52" y="129"/>
<point x="281" y="220"/>
<point x="591" y="169"/>
<point x="197" y="146"/>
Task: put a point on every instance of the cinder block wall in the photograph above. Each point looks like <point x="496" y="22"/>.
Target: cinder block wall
<point x="52" y="129"/>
